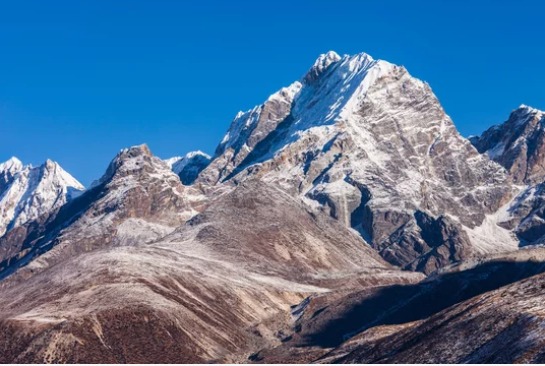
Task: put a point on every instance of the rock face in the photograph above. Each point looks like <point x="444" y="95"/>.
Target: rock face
<point x="29" y="194"/>
<point x="518" y="144"/>
<point x="189" y="166"/>
<point x="371" y="145"/>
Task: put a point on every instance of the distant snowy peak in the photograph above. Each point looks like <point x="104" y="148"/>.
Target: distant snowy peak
<point x="518" y="144"/>
<point x="189" y="166"/>
<point x="60" y="177"/>
<point x="12" y="166"/>
<point x="28" y="193"/>
<point x="178" y="163"/>
<point x="8" y="169"/>
<point x="173" y="160"/>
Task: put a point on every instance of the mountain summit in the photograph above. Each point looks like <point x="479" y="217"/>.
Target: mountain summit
<point x="365" y="141"/>
<point x="28" y="194"/>
<point x="518" y="144"/>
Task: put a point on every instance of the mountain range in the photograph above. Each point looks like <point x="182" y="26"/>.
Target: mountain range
<point x="345" y="219"/>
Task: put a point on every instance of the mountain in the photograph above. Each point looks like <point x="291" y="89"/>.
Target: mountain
<point x="343" y="220"/>
<point x="29" y="194"/>
<point x="365" y="141"/>
<point x="518" y="144"/>
<point x="189" y="166"/>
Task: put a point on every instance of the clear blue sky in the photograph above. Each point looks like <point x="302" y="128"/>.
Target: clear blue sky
<point x="80" y="80"/>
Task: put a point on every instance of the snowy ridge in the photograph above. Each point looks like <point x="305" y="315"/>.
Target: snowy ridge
<point x="189" y="166"/>
<point x="29" y="193"/>
<point x="11" y="166"/>
<point x="245" y="123"/>
<point x="178" y="163"/>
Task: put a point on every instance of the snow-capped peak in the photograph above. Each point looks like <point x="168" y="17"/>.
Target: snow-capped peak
<point x="189" y="166"/>
<point x="177" y="163"/>
<point x="326" y="59"/>
<point x="529" y="108"/>
<point x="33" y="193"/>
<point x="173" y="160"/>
<point x="192" y="154"/>
<point x="11" y="165"/>
<point x="61" y="176"/>
<point x="361" y="128"/>
<point x="321" y="63"/>
<point x="518" y="144"/>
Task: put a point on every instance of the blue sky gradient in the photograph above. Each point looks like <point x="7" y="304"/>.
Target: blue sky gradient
<point x="79" y="80"/>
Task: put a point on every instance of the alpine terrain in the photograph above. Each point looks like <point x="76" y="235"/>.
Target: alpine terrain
<point x="344" y="220"/>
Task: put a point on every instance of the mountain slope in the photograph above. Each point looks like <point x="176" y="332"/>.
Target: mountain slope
<point x="505" y="325"/>
<point x="366" y="142"/>
<point x="29" y="194"/>
<point x="406" y="323"/>
<point x="218" y="288"/>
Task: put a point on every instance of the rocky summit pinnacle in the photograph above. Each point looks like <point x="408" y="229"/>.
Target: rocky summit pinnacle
<point x="11" y="165"/>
